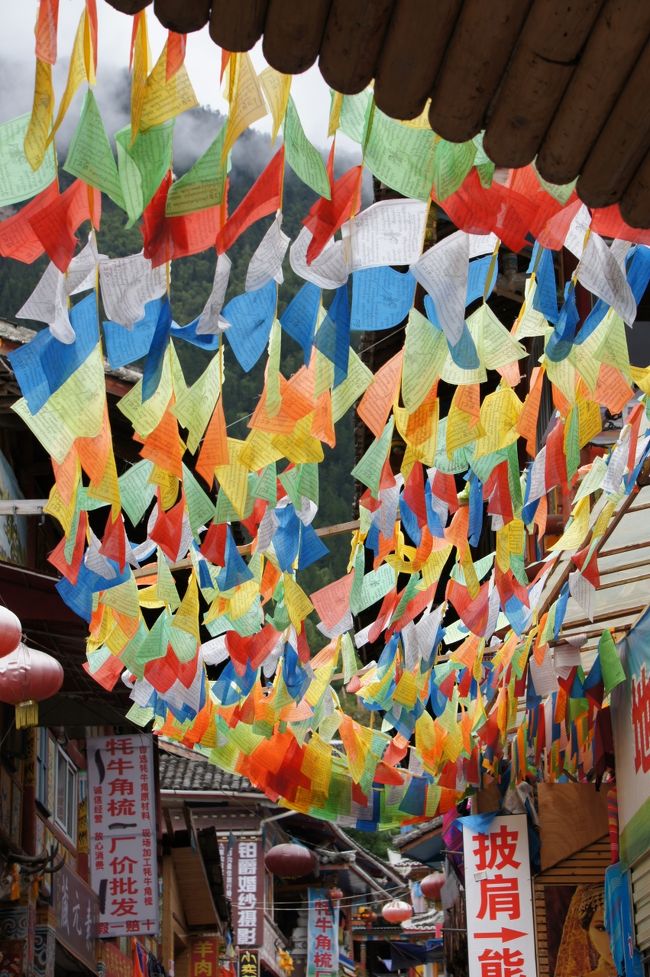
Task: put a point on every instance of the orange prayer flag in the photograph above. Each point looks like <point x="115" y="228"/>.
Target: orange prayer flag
<point x="376" y="403"/>
<point x="527" y="423"/>
<point x="468" y="399"/>
<point x="456" y="531"/>
<point x="214" y="450"/>
<point x="263" y="198"/>
<point x="333" y="601"/>
<point x="612" y="390"/>
<point x="164" y="446"/>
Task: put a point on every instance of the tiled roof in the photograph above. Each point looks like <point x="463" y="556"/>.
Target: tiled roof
<point x="183" y="770"/>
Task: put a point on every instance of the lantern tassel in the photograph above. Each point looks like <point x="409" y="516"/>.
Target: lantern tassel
<point x="26" y="714"/>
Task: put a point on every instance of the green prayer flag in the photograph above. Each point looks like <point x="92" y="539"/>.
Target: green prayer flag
<point x="203" y="184"/>
<point x="400" y="156"/>
<point x="18" y="181"/>
<point x="200" y="508"/>
<point x="452" y="162"/>
<point x="610" y="664"/>
<point x="136" y="491"/>
<point x="90" y="157"/>
<point x="143" y="165"/>
<point x="368" y="469"/>
<point x="302" y="157"/>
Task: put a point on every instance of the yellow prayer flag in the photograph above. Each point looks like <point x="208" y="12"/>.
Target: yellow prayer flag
<point x="276" y="88"/>
<point x="141" y="60"/>
<point x="296" y="600"/>
<point x="163" y="98"/>
<point x="76" y="74"/>
<point x="247" y="103"/>
<point x="40" y="124"/>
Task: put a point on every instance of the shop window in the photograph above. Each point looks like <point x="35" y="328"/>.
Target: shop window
<point x="57" y="783"/>
<point x="66" y="795"/>
<point x="42" y="765"/>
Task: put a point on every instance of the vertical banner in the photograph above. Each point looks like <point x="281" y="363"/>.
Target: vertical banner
<point x="123" y="863"/>
<point x="322" y="935"/>
<point x="500" y="929"/>
<point x="204" y="957"/>
<point x="242" y="865"/>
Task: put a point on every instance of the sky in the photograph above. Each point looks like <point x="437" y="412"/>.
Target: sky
<point x="203" y="63"/>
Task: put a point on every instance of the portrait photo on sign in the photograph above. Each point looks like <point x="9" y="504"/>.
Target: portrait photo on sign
<point x="578" y="943"/>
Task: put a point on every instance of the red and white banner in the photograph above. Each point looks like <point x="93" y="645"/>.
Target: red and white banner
<point x="122" y="814"/>
<point x="500" y="928"/>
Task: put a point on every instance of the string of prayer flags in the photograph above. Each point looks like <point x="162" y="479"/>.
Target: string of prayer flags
<point x="208" y="550"/>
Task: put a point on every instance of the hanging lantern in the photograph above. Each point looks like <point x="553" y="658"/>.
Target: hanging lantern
<point x="335" y="893"/>
<point x="10" y="631"/>
<point x="431" y="885"/>
<point x="397" y="911"/>
<point x="290" y="861"/>
<point x="28" y="676"/>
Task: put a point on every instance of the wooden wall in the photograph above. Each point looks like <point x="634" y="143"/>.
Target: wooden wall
<point x="585" y="866"/>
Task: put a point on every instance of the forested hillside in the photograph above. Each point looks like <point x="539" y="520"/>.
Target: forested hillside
<point x="191" y="282"/>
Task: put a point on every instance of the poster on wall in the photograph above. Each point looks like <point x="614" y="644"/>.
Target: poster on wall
<point x="631" y="728"/>
<point x="500" y="929"/>
<point x="577" y="941"/>
<point x="123" y="862"/>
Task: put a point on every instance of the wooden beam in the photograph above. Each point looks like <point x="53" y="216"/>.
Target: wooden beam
<point x="538" y="73"/>
<point x="478" y="53"/>
<point x="182" y="16"/>
<point x="237" y="27"/>
<point x="293" y="34"/>
<point x="635" y="205"/>
<point x="623" y="143"/>
<point x="350" y="48"/>
<point x="411" y="55"/>
<point x="616" y="42"/>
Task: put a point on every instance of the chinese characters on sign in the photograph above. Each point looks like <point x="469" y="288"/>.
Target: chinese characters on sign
<point x="204" y="957"/>
<point x="243" y="873"/>
<point x="249" y="963"/>
<point x="323" y="935"/>
<point x="75" y="907"/>
<point x="123" y="833"/>
<point x="500" y="934"/>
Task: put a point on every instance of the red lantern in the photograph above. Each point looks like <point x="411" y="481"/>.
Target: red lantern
<point x="431" y="885"/>
<point x="10" y="631"/>
<point x="290" y="861"/>
<point x="335" y="893"/>
<point x="26" y="677"/>
<point x="397" y="911"/>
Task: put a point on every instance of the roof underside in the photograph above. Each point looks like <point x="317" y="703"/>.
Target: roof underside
<point x="563" y="82"/>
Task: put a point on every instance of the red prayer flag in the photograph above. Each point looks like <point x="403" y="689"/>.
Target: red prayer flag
<point x="168" y="528"/>
<point x="250" y="650"/>
<point x="170" y="238"/>
<point x="326" y="216"/>
<point x="607" y="222"/>
<point x="263" y="198"/>
<point x="55" y="223"/>
<point x="114" y="541"/>
<point x="46" y="29"/>
<point x="18" y="239"/>
<point x="176" y="44"/>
